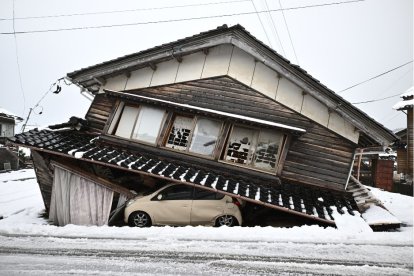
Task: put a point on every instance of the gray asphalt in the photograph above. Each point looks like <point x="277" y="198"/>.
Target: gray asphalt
<point x="28" y="255"/>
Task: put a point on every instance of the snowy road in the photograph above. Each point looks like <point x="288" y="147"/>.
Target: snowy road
<point x="31" y="246"/>
<point x="41" y="256"/>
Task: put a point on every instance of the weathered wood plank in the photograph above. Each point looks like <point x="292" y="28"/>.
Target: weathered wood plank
<point x="320" y="163"/>
<point x="98" y="117"/>
<point x="44" y="177"/>
<point x="319" y="159"/>
<point x="294" y="165"/>
<point x="318" y="175"/>
<point x="320" y="152"/>
<point x="100" y="112"/>
<point x="312" y="181"/>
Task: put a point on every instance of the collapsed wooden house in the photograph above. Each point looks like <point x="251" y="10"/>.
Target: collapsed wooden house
<point x="219" y="110"/>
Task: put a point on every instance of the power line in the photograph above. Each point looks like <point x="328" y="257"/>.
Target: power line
<point x="175" y="20"/>
<point x="261" y="23"/>
<point x="41" y="99"/>
<point x="287" y="28"/>
<point x="124" y="11"/>
<point x="376" y="100"/>
<point x="275" y="29"/>
<point x="377" y="76"/>
<point x="18" y="65"/>
<point x="388" y="88"/>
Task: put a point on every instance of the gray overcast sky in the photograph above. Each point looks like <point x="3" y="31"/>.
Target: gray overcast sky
<point x="340" y="45"/>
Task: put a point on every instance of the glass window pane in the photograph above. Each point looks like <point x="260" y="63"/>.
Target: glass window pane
<point x="267" y="150"/>
<point x="126" y="123"/>
<point x="200" y="194"/>
<point x="180" y="133"/>
<point x="148" y="124"/>
<point x="178" y="192"/>
<point x="239" y="147"/>
<point x="205" y="136"/>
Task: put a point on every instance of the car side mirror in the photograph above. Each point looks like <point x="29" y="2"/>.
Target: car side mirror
<point x="159" y="197"/>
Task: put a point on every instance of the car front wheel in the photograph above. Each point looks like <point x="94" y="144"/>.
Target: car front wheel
<point x="226" y="220"/>
<point x="139" y="219"/>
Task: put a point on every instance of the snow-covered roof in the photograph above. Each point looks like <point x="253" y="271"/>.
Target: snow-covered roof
<point x="406" y="103"/>
<point x="408" y="93"/>
<point x="403" y="104"/>
<point x="10" y="114"/>
<point x="208" y="110"/>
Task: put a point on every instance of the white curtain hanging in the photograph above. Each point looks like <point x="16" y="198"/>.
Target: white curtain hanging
<point x="77" y="200"/>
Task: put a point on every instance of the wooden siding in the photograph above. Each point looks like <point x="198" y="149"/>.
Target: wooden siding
<point x="410" y="141"/>
<point x="319" y="157"/>
<point x="44" y="175"/>
<point x="99" y="112"/>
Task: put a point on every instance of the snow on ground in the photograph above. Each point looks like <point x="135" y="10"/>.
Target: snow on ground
<point x="28" y="241"/>
<point x="21" y="205"/>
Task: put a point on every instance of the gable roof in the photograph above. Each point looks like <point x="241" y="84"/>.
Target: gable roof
<point x="91" y="78"/>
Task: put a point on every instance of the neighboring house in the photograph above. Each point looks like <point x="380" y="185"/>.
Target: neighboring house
<point x="8" y="158"/>
<point x="219" y="110"/>
<point x="7" y="123"/>
<point x="406" y="144"/>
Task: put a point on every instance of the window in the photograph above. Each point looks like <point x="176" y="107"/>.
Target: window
<point x="200" y="194"/>
<point x="180" y="133"/>
<point x="267" y="150"/>
<point x="177" y="192"/>
<point x="255" y="148"/>
<point x="205" y="136"/>
<point x="148" y="124"/>
<point x="194" y="134"/>
<point x="141" y="123"/>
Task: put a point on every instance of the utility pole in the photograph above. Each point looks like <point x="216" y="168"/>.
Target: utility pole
<point x="27" y="119"/>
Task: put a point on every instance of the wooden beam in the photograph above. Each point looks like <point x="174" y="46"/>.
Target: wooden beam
<point x="96" y="179"/>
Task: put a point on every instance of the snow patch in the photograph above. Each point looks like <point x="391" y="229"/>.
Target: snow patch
<point x="375" y="215"/>
<point x="349" y="223"/>
<point x="79" y="154"/>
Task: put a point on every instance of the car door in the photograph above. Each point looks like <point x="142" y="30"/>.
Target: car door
<point x="173" y="205"/>
<point x="206" y="207"/>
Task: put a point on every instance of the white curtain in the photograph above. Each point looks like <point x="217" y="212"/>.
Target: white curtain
<point x="77" y="200"/>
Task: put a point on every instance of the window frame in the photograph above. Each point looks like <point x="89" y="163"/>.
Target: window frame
<point x="114" y="124"/>
<point x="195" y="118"/>
<point x="256" y="139"/>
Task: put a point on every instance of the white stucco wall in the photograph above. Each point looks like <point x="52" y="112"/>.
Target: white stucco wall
<point x="227" y="59"/>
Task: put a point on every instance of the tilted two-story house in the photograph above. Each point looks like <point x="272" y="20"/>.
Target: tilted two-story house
<point x="219" y="110"/>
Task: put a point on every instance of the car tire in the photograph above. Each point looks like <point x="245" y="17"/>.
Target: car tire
<point x="226" y="220"/>
<point x="139" y="219"/>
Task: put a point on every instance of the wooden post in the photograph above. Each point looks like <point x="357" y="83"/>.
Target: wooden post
<point x="359" y="163"/>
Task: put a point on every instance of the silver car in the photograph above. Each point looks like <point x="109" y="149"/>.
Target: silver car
<point x="179" y="204"/>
